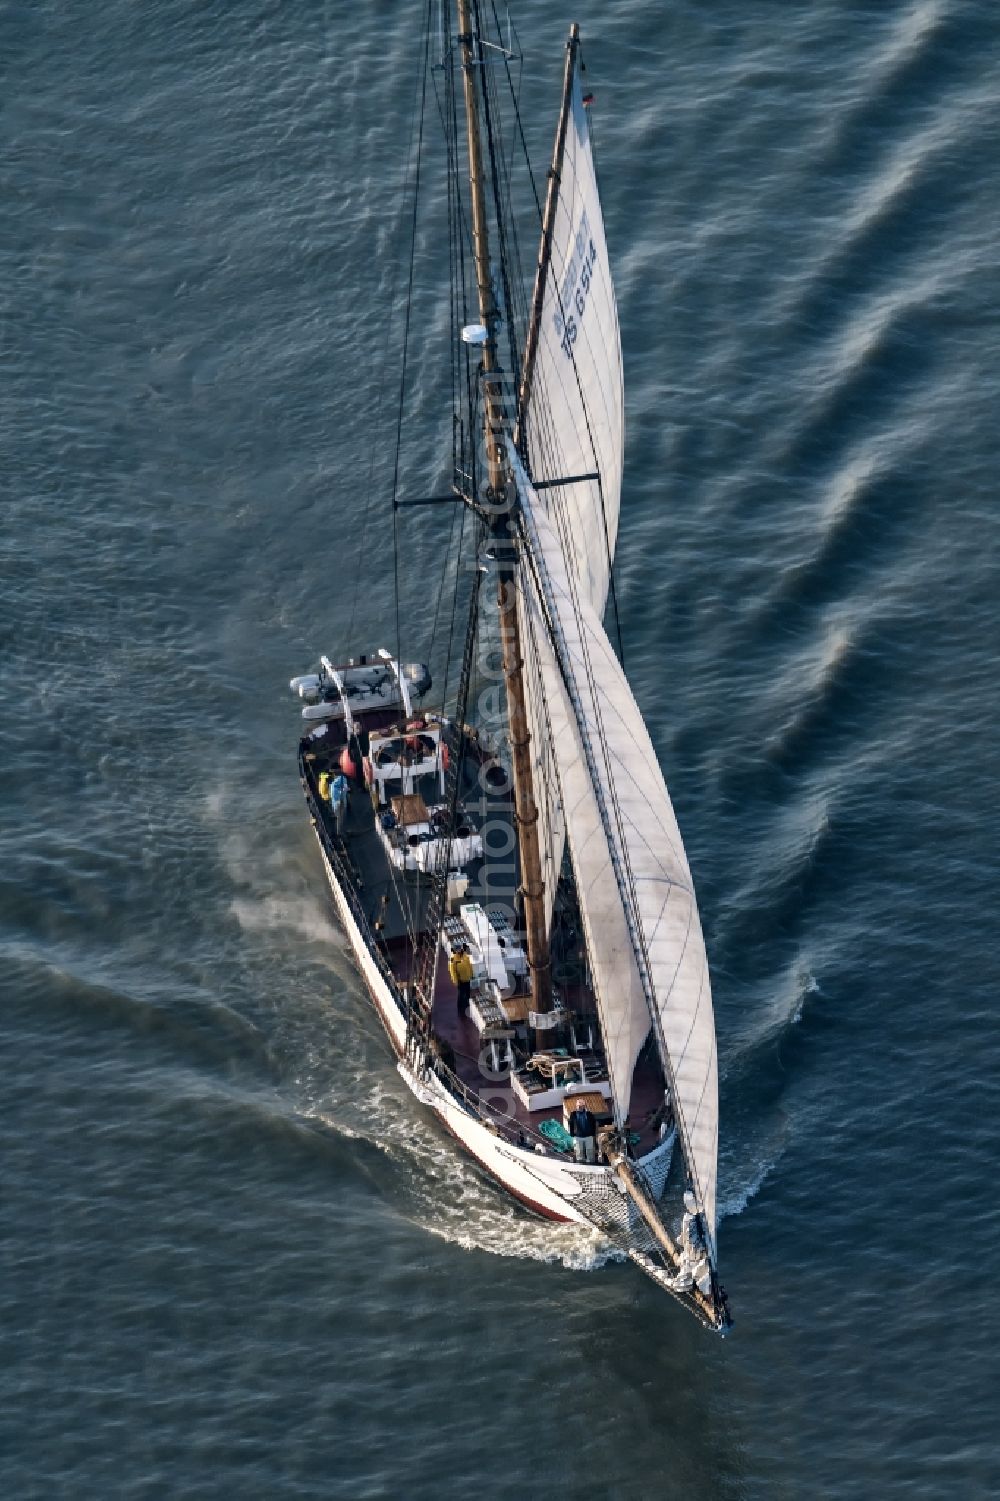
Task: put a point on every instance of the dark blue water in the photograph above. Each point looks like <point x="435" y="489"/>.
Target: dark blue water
<point x="235" y="1259"/>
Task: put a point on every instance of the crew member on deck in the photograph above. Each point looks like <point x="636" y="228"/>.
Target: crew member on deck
<point x="460" y="969"/>
<point x="340" y="792"/>
<point x="583" y="1129"/>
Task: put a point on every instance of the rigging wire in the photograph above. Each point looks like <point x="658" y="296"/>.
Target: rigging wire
<point x="555" y="462"/>
<point x="508" y="255"/>
<point x="445" y="99"/>
<point x="449" y="551"/>
<point x="489" y="93"/>
<point x="620" y="848"/>
<point x="515" y="99"/>
<point x="549" y="437"/>
<point x="426" y="942"/>
<point x="395" y="279"/>
<point x="409" y="904"/>
<point x="454" y="614"/>
<point x="464" y="451"/>
<point x="607" y="539"/>
<point x="447" y="564"/>
<point x="548" y="444"/>
<point x="406" y="330"/>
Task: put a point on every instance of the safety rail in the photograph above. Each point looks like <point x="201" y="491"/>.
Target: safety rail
<point x="451" y="1080"/>
<point x="496" y="1120"/>
<point x="337" y="855"/>
<point x="504" y="1125"/>
<point x="427" y="942"/>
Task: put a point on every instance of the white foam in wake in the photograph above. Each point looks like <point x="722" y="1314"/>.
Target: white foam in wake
<point x="274" y="895"/>
<point x="808" y="985"/>
<point x="452" y="1201"/>
<point x="739" y="1195"/>
<point x="298" y="915"/>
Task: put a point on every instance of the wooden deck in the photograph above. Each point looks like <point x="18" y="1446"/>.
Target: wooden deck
<point x="396" y="907"/>
<point x="460" y="1033"/>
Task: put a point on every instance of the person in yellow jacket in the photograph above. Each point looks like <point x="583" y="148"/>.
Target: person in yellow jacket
<point x="460" y="969"/>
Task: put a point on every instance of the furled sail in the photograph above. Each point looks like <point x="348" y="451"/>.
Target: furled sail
<point x="574" y="423"/>
<point x="633" y="883"/>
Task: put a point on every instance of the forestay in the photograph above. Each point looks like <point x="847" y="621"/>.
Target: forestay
<point x="574" y="424"/>
<point x="636" y="895"/>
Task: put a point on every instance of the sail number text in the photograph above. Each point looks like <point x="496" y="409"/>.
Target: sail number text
<point x="575" y="287"/>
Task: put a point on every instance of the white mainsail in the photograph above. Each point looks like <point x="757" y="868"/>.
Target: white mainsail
<point x="597" y="782"/>
<point x="574" y="425"/>
<point x="632" y="878"/>
<point x="575" y="420"/>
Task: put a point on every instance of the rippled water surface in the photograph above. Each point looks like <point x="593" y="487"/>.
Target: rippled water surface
<point x="236" y="1260"/>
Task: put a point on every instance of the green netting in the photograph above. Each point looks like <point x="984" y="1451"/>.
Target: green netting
<point x="557" y="1135"/>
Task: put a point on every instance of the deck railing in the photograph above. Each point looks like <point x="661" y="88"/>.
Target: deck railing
<point x="335" y="850"/>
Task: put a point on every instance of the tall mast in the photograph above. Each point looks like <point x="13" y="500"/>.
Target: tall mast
<point x="498" y="478"/>
<point x="502" y="506"/>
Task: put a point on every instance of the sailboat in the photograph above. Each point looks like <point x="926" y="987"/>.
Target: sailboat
<point x="519" y="903"/>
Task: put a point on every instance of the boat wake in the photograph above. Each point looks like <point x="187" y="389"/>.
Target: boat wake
<point x="445" y="1196"/>
<point x="297" y="915"/>
<point x="272" y="893"/>
<point x="739" y="1196"/>
<point x="756" y="1081"/>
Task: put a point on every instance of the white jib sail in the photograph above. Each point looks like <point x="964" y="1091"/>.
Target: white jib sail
<point x="622" y="833"/>
<point x="575" y="421"/>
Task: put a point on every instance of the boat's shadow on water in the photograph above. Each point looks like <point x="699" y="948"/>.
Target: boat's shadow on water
<point x="626" y="1366"/>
